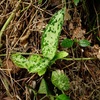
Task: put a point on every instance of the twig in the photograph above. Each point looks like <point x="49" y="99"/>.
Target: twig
<point x="97" y="19"/>
<point x="26" y="54"/>
<point x="9" y="20"/>
<point x="93" y="30"/>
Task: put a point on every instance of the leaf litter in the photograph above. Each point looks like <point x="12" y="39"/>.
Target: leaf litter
<point x="24" y="35"/>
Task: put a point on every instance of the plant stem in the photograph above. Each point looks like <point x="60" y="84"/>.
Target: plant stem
<point x="68" y="59"/>
<point x="78" y="59"/>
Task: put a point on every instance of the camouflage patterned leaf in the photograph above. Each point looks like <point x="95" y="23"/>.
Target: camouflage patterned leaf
<point x="51" y="34"/>
<point x="60" y="80"/>
<point x="34" y="64"/>
<point x="38" y="64"/>
<point x="19" y="60"/>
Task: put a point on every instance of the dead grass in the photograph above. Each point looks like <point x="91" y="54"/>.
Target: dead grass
<point x="23" y="34"/>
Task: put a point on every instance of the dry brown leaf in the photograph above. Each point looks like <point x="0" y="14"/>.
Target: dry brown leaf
<point x="10" y="67"/>
<point x="40" y="26"/>
<point x="78" y="33"/>
<point x="98" y="54"/>
<point x="55" y="2"/>
<point x="71" y="27"/>
<point x="24" y="44"/>
<point x="67" y="16"/>
<point x="93" y="51"/>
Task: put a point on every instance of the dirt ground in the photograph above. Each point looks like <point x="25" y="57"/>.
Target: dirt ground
<point x="22" y="33"/>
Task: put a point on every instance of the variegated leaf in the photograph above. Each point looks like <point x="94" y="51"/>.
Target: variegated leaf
<point x="51" y="34"/>
<point x="60" y="80"/>
<point x="34" y="64"/>
<point x="19" y="60"/>
<point x="37" y="64"/>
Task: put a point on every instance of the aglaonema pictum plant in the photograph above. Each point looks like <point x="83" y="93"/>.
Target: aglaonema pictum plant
<point x="49" y="44"/>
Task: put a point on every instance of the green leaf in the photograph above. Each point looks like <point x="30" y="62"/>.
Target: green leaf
<point x="51" y="97"/>
<point x="60" y="80"/>
<point x="67" y="43"/>
<point x="62" y="97"/>
<point x="59" y="55"/>
<point x="19" y="60"/>
<point x="84" y="43"/>
<point x="34" y="64"/>
<point x="37" y="64"/>
<point x="43" y="89"/>
<point x="76" y="2"/>
<point x="51" y="34"/>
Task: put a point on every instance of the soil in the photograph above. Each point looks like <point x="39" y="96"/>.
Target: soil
<point x="23" y="34"/>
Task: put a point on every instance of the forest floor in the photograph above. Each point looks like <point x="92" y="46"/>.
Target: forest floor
<point x="23" y="34"/>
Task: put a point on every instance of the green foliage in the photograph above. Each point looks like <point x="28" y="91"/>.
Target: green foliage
<point x="62" y="97"/>
<point x="59" y="55"/>
<point x="67" y="43"/>
<point x="60" y="80"/>
<point x="43" y="89"/>
<point x="51" y="34"/>
<point x="76" y="2"/>
<point x="39" y="64"/>
<point x="34" y="64"/>
<point x="84" y="43"/>
<point x="19" y="60"/>
<point x="49" y="44"/>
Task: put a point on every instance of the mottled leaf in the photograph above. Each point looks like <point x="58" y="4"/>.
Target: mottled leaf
<point x="38" y="64"/>
<point x="60" y="80"/>
<point x="19" y="60"/>
<point x="51" y="34"/>
<point x="34" y="64"/>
